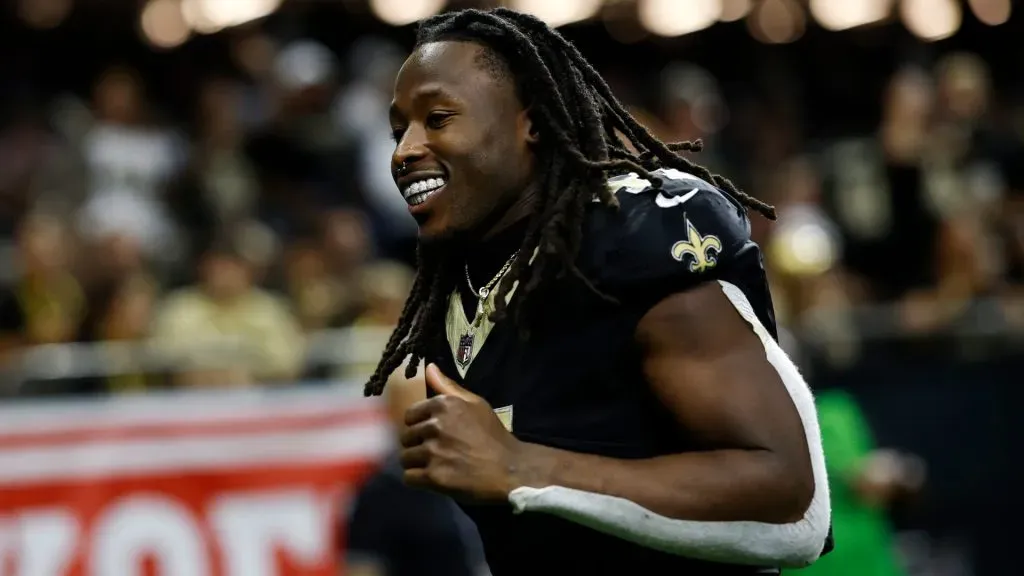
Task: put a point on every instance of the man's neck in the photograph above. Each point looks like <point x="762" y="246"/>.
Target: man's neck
<point x="485" y="258"/>
<point x="487" y="251"/>
<point x="520" y="207"/>
<point x="517" y="212"/>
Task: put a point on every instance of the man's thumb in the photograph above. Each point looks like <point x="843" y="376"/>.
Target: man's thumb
<point x="442" y="384"/>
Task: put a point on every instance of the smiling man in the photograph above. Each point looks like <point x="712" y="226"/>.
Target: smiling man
<point x="606" y="388"/>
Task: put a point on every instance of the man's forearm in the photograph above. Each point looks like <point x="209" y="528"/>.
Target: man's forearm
<point x="712" y="486"/>
<point x="730" y="506"/>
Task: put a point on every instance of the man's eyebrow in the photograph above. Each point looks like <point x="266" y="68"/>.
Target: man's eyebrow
<point x="426" y="92"/>
<point x="438" y="91"/>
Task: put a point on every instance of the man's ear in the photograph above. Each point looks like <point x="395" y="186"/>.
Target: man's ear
<point x="527" y="127"/>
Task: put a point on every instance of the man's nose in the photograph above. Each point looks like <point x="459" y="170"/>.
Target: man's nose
<point x="411" y="147"/>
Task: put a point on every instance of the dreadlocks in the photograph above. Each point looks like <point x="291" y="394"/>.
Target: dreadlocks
<point x="580" y="123"/>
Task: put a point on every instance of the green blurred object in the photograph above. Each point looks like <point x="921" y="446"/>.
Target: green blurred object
<point x="864" y="538"/>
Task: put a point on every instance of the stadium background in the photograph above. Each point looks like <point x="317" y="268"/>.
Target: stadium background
<point x="194" y="199"/>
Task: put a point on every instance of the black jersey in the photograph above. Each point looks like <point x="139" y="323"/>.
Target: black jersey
<point x="576" y="382"/>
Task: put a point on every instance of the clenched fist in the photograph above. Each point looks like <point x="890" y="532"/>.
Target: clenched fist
<point x="455" y="444"/>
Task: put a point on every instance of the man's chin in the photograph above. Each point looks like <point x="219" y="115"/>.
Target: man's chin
<point x="444" y="231"/>
<point x="434" y="236"/>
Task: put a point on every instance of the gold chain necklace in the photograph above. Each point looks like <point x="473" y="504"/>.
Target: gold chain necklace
<point x="484" y="292"/>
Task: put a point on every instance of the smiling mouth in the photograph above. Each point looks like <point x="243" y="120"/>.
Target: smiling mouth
<point x="419" y="192"/>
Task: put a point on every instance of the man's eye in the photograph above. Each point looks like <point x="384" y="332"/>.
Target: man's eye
<point x="396" y="133"/>
<point x="437" y="119"/>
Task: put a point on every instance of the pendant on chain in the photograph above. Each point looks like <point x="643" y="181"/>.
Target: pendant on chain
<point x="464" y="353"/>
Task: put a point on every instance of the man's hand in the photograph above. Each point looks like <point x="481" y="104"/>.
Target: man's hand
<point x="455" y="444"/>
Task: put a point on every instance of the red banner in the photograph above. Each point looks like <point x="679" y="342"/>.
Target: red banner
<point x="244" y="484"/>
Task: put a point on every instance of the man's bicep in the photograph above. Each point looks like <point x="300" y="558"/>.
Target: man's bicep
<point x="709" y="368"/>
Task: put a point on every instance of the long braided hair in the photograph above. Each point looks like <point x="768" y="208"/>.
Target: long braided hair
<point x="582" y="126"/>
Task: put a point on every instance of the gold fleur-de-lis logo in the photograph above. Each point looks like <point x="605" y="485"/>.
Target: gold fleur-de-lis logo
<point x="703" y="250"/>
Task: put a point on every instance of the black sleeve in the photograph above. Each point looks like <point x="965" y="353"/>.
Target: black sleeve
<point x="668" y="239"/>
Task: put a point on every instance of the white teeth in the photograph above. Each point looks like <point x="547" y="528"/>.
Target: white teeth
<point x="419" y="198"/>
<point x="418" y="192"/>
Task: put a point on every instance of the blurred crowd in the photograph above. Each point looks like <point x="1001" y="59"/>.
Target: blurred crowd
<point x="923" y="211"/>
<point x="226" y="241"/>
<point x="222" y="243"/>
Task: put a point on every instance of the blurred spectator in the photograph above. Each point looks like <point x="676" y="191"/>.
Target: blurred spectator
<point x="694" y="109"/>
<point x="890" y="227"/>
<point x="131" y="158"/>
<point x="303" y="162"/>
<point x="384" y="287"/>
<point x="805" y="245"/>
<point x="966" y="179"/>
<point x="863" y="482"/>
<point x="220" y="188"/>
<point x="127" y="318"/>
<point x="323" y="276"/>
<point x="1012" y="224"/>
<point x="38" y="171"/>
<point x="346" y="241"/>
<point x="362" y="115"/>
<point x="103" y="268"/>
<point x="46" y="304"/>
<point x="20" y="148"/>
<point x="225" y="331"/>
<point x="322" y="299"/>
<point x="810" y="289"/>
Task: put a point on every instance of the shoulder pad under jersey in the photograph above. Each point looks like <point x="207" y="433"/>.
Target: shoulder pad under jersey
<point x="664" y="239"/>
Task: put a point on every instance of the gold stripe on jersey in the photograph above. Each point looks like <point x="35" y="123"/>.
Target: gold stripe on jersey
<point x="465" y="337"/>
<point x="504" y="415"/>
